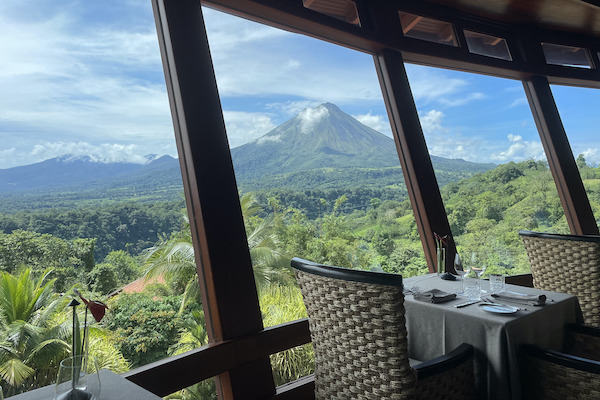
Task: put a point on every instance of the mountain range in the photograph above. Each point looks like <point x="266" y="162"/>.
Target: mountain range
<point x="319" y="148"/>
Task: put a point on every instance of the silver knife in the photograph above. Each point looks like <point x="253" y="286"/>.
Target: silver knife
<point x="468" y="303"/>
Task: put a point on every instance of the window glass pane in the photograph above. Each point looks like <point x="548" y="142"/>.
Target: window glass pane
<point x="432" y="30"/>
<point x="315" y="163"/>
<point x="485" y="125"/>
<point x="578" y="112"/>
<point x="312" y="151"/>
<point x="89" y="180"/>
<point x="568" y="56"/>
<point x="340" y="9"/>
<point x="487" y="45"/>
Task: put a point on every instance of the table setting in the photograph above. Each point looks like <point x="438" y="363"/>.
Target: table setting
<point x="494" y="317"/>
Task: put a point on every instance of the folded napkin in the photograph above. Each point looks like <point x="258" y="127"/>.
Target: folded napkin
<point x="521" y="298"/>
<point x="434" y="296"/>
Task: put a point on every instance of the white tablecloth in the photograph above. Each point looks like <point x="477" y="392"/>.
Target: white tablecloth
<point x="436" y="329"/>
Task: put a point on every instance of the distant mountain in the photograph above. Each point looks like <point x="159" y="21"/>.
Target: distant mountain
<point x="62" y="171"/>
<point x="324" y="138"/>
<point x="320" y="148"/>
<point x="69" y="181"/>
<point x="321" y="137"/>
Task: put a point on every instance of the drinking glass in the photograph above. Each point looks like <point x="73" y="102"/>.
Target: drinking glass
<point x="496" y="283"/>
<point x="77" y="379"/>
<point x="472" y="288"/>
<point x="461" y="270"/>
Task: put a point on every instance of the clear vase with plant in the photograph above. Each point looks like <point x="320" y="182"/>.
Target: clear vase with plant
<point x="78" y="377"/>
<point x="441" y="242"/>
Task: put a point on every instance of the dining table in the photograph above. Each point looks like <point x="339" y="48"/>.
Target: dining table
<point x="435" y="329"/>
<point x="113" y="387"/>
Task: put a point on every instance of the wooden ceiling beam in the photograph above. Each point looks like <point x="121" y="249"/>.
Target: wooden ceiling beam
<point x="291" y="15"/>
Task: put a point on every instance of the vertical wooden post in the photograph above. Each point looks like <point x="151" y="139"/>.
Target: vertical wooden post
<point x="560" y="157"/>
<point x="225" y="275"/>
<point x="422" y="185"/>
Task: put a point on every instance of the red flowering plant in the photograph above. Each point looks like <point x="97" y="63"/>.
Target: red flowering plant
<point x="440" y="242"/>
<point x="96" y="308"/>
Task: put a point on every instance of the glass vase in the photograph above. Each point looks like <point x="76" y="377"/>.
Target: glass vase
<point x="441" y="260"/>
<point x="78" y="379"/>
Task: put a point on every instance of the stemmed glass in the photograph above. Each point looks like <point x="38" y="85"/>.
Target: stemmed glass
<point x="461" y="270"/>
<point x="477" y="265"/>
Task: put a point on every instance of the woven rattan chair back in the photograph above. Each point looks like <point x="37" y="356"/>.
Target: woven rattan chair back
<point x="359" y="336"/>
<point x="567" y="264"/>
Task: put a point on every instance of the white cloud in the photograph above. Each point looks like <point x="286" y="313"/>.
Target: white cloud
<point x="519" y="150"/>
<point x="461" y="100"/>
<point x="243" y="127"/>
<point x="291" y="108"/>
<point x="256" y="60"/>
<point x="105" y="152"/>
<point x="266" y="139"/>
<point x="518" y="102"/>
<point x="430" y="85"/>
<point x="431" y="122"/>
<point x="450" y="142"/>
<point x="591" y="155"/>
<point x="69" y="80"/>
<point x="378" y="122"/>
<point x="310" y="117"/>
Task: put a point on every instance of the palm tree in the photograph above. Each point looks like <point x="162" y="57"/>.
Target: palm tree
<point x="174" y="257"/>
<point x="32" y="345"/>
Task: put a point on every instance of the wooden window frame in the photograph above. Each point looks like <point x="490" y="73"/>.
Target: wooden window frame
<point x="239" y="349"/>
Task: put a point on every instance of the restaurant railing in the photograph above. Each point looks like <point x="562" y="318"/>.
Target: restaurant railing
<point x="175" y="373"/>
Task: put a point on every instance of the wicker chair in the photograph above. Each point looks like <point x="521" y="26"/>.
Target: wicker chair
<point x="358" y="331"/>
<point x="552" y="375"/>
<point x="568" y="264"/>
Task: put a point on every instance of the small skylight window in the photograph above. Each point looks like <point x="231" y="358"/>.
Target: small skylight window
<point x="487" y="45"/>
<point x="432" y="30"/>
<point x="569" y="56"/>
<point x="340" y="9"/>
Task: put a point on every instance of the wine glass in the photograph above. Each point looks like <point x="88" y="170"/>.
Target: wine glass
<point x="476" y="264"/>
<point x="479" y="270"/>
<point x="478" y="267"/>
<point x="461" y="270"/>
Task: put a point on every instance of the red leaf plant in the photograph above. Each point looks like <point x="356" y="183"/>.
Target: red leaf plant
<point x="440" y="241"/>
<point x="97" y="308"/>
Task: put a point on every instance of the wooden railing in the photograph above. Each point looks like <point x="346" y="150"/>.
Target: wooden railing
<point x="175" y="373"/>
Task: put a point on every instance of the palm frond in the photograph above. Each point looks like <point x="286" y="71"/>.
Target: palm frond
<point x="15" y="372"/>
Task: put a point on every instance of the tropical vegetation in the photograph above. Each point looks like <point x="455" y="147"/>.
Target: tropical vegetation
<point x="42" y="256"/>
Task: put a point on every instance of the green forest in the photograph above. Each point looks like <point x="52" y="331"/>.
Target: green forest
<point x="99" y="249"/>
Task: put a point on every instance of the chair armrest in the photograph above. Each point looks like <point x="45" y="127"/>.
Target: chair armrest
<point x="562" y="359"/>
<point x="440" y="364"/>
<point x="583" y="341"/>
<point x="548" y="374"/>
<point x="449" y="377"/>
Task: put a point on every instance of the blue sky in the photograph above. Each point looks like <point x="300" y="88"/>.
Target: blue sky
<point x="85" y="78"/>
